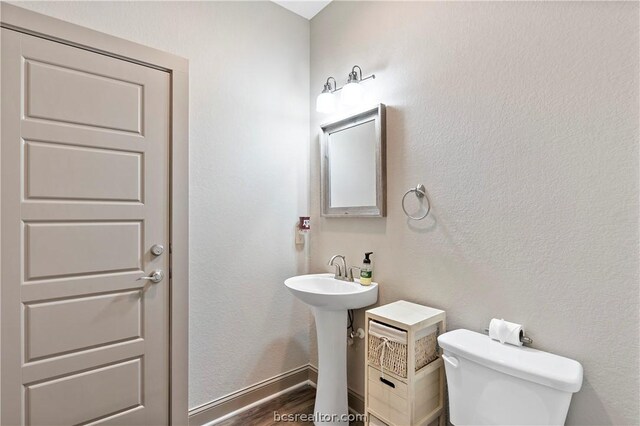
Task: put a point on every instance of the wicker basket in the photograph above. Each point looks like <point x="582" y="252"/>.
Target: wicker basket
<point x="395" y="355"/>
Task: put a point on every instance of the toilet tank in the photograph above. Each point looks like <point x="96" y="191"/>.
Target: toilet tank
<point x="491" y="383"/>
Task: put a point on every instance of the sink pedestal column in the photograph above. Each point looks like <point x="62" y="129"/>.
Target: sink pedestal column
<point x="331" y="393"/>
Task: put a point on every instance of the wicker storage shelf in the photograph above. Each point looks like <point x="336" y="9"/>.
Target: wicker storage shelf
<point x="394" y="359"/>
<point x="404" y="383"/>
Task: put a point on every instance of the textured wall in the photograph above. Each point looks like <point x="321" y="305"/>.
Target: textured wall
<point x="522" y="121"/>
<point x="249" y="124"/>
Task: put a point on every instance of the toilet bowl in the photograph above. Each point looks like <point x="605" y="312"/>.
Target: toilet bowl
<point x="491" y="383"/>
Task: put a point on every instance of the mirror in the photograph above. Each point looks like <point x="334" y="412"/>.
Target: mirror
<point x="353" y="171"/>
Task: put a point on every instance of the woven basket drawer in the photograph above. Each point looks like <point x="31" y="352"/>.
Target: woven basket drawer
<point x="395" y="354"/>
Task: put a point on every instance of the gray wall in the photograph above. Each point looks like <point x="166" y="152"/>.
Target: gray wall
<point x="249" y="124"/>
<point x="522" y="121"/>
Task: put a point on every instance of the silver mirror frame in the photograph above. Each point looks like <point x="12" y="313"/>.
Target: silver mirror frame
<point x="377" y="114"/>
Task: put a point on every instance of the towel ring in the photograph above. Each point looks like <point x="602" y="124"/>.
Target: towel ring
<point x="421" y="192"/>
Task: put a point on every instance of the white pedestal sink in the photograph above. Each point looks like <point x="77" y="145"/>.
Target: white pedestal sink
<point x="330" y="299"/>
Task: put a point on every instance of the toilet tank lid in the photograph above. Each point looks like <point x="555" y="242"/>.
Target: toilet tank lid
<point x="526" y="363"/>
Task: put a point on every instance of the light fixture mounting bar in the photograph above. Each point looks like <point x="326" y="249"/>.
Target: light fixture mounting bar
<point x="372" y="76"/>
<point x="352" y="78"/>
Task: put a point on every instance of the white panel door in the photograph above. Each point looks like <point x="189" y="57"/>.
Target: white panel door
<point x="85" y="193"/>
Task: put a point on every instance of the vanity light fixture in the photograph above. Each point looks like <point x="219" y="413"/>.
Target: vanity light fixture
<point x="351" y="96"/>
<point x="326" y="101"/>
<point x="353" y="92"/>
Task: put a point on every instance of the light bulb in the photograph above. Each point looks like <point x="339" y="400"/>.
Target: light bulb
<point x="352" y="94"/>
<point x="326" y="102"/>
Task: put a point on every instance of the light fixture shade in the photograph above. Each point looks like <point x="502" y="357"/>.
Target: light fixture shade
<point x="326" y="102"/>
<point x="352" y="94"/>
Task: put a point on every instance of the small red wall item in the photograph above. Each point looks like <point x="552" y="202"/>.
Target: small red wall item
<point x="305" y="223"/>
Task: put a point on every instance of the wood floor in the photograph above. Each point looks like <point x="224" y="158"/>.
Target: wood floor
<point x="299" y="401"/>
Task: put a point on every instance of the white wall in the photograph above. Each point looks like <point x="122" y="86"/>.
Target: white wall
<point x="521" y="119"/>
<point x="249" y="88"/>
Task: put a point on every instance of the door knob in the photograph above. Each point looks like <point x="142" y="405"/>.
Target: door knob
<point x="155" y="277"/>
<point x="157" y="249"/>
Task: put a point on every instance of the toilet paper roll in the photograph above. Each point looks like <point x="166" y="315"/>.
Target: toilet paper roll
<point x="506" y="332"/>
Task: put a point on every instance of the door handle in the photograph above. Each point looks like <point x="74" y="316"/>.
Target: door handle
<point x="155" y="277"/>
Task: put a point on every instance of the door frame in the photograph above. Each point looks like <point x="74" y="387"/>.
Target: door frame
<point x="35" y="24"/>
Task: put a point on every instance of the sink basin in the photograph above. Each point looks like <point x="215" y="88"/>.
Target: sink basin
<point x="330" y="300"/>
<point x="324" y="291"/>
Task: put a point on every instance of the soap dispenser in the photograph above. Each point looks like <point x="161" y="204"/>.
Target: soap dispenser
<point x="366" y="272"/>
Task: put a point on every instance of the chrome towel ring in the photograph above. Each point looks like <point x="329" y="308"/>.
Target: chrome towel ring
<point x="421" y="192"/>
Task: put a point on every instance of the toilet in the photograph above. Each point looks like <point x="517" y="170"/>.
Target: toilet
<point x="491" y="383"/>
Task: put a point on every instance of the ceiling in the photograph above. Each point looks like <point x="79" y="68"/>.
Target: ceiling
<point x="306" y="9"/>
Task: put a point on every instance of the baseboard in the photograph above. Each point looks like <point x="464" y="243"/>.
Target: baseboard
<point x="236" y="402"/>
<point x="227" y="406"/>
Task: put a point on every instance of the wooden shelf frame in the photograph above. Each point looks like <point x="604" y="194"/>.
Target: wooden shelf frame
<point x="413" y="319"/>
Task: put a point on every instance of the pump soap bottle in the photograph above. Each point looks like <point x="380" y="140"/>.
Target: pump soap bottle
<point x="366" y="272"/>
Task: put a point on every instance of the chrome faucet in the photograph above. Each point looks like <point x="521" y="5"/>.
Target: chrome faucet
<point x="341" y="270"/>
